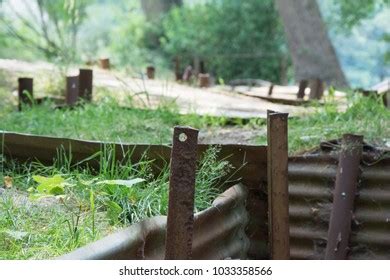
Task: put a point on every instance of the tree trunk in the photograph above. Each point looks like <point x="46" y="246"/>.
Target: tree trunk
<point x="312" y="52"/>
<point x="153" y="9"/>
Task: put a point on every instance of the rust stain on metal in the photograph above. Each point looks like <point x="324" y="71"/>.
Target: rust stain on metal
<point x="72" y="90"/>
<point x="311" y="182"/>
<point x="25" y="91"/>
<point x="344" y="196"/>
<point x="180" y="220"/>
<point x="85" y="84"/>
<point x="278" y="201"/>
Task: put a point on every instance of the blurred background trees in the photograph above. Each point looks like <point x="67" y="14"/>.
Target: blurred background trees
<point x="312" y="52"/>
<point x="360" y="32"/>
<point x="235" y="39"/>
<point x="49" y="28"/>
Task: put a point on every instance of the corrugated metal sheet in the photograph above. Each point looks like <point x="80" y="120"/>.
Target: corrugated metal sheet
<point x="311" y="183"/>
<point x="219" y="233"/>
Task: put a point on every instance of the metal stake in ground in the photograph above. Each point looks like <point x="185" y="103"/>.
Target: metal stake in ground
<point x="316" y="89"/>
<point x="178" y="245"/>
<point x="25" y="91"/>
<point x="277" y="178"/>
<point x="85" y="84"/>
<point x="343" y="198"/>
<point x="301" y="91"/>
<point x="72" y="90"/>
<point x="150" y="72"/>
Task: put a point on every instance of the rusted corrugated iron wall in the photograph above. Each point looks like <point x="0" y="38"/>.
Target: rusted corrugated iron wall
<point x="311" y="183"/>
<point x="219" y="233"/>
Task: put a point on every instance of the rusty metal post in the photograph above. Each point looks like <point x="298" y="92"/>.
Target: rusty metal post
<point x="316" y="89"/>
<point x="85" y="84"/>
<point x="150" y="72"/>
<point x="343" y="197"/>
<point x="270" y="89"/>
<point x="204" y="80"/>
<point x="277" y="178"/>
<point x="72" y="90"/>
<point x="104" y="63"/>
<point x="180" y="223"/>
<point x="25" y="92"/>
<point x="302" y="87"/>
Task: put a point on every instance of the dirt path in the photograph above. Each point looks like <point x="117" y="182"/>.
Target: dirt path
<point x="212" y="101"/>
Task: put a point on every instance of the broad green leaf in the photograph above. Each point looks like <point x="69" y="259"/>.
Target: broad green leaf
<point x="56" y="190"/>
<point x="50" y="185"/>
<point x="56" y="179"/>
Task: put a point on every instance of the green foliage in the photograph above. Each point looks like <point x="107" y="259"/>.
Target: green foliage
<point x="49" y="28"/>
<point x="120" y="31"/>
<point x="237" y="39"/>
<point x="113" y="192"/>
<point x="210" y="172"/>
<point x="98" y="203"/>
<point x="364" y="115"/>
<point x="358" y="31"/>
<point x="105" y="121"/>
<point x="348" y="14"/>
<point x="49" y="185"/>
<point x="126" y="39"/>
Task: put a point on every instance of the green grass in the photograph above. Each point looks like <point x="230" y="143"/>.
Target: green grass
<point x="36" y="226"/>
<point x="363" y="115"/>
<point x="105" y="121"/>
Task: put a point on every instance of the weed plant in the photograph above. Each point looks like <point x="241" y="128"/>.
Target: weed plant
<point x="46" y="211"/>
